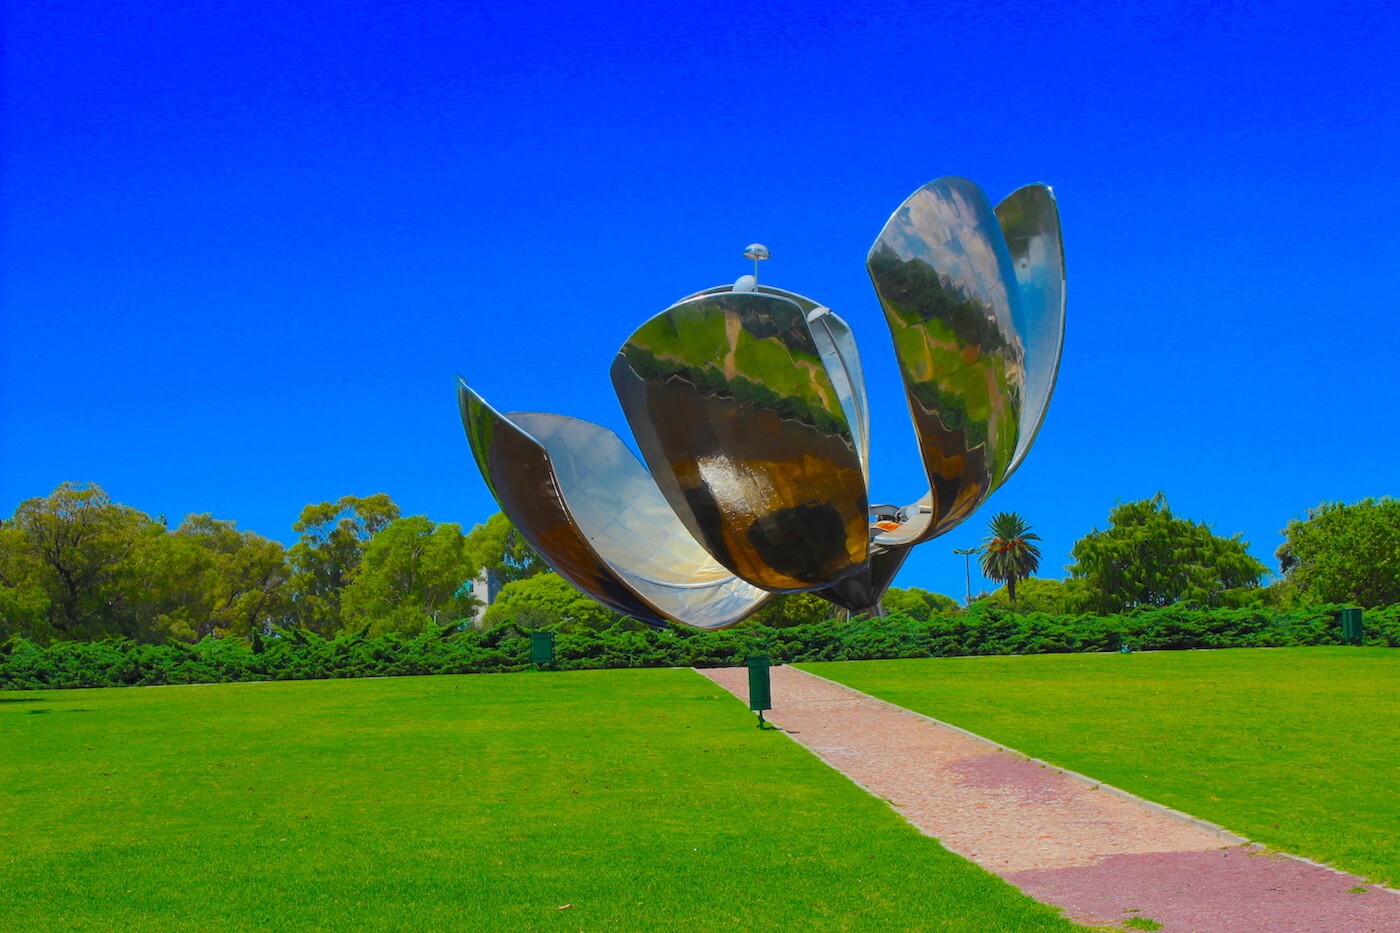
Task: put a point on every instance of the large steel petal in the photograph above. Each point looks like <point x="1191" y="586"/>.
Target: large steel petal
<point x="945" y="279"/>
<point x="747" y="438"/>
<point x="585" y="503"/>
<point x="1030" y="222"/>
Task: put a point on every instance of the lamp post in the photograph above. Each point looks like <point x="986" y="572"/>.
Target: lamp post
<point x="967" y="568"/>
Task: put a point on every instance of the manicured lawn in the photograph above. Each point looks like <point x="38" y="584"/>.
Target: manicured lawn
<point x="1298" y="748"/>
<point x="638" y="799"/>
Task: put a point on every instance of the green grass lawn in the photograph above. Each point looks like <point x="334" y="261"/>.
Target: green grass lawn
<point x="1298" y="748"/>
<point x="644" y="799"/>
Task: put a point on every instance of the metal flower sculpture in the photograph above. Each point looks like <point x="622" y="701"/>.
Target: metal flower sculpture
<point x="749" y="406"/>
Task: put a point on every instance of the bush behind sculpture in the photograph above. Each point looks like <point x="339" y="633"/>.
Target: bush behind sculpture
<point x="983" y="630"/>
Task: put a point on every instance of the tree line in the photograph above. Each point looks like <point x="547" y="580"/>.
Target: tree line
<point x="76" y="566"/>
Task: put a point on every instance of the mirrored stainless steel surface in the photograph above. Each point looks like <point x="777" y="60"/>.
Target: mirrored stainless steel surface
<point x="863" y="590"/>
<point x="1030" y="221"/>
<point x="837" y="346"/>
<point x="945" y="278"/>
<point x="518" y="472"/>
<point x="616" y="505"/>
<point x="584" y="502"/>
<point x="746" y="436"/>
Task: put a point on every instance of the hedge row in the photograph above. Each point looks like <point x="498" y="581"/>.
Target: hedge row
<point x="983" y="630"/>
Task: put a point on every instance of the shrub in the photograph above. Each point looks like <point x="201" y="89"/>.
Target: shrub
<point x="985" y="629"/>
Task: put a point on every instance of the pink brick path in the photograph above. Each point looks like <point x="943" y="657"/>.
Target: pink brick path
<point x="1101" y="855"/>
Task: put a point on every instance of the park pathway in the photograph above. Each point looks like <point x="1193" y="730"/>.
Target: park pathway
<point x="1102" y="855"/>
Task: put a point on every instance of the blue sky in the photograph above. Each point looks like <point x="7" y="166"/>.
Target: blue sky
<point x="247" y="246"/>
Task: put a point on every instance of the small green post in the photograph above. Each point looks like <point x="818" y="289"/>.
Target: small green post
<point x="1351" y="626"/>
<point x="541" y="648"/>
<point x="760" y="686"/>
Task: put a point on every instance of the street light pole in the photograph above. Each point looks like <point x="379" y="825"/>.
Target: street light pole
<point x="967" y="568"/>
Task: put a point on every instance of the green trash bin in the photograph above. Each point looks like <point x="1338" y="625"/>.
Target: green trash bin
<point x="1351" y="626"/>
<point x="541" y="648"/>
<point x="760" y="688"/>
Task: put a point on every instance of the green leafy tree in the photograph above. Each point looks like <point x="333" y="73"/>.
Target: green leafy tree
<point x="205" y="578"/>
<point x="499" y="547"/>
<point x="414" y="575"/>
<point x="169" y="579"/>
<point x="547" y="601"/>
<point x="789" y="609"/>
<point x="333" y="539"/>
<point x="243" y="577"/>
<point x="96" y="568"/>
<point x="24" y="602"/>
<point x="1037" y="594"/>
<point x="1007" y="552"/>
<point x="1345" y="553"/>
<point x="1149" y="557"/>
<point x="918" y="603"/>
<point x="80" y="552"/>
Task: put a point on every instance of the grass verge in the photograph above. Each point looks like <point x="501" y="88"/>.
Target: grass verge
<point x="1298" y="748"/>
<point x="623" y="799"/>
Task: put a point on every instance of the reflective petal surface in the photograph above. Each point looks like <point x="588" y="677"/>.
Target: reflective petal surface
<point x="518" y="472"/>
<point x="616" y="505"/>
<point x="836" y="345"/>
<point x="865" y="589"/>
<point x="747" y="438"/>
<point x="945" y="278"/>
<point x="1030" y="221"/>
<point x="585" y="503"/>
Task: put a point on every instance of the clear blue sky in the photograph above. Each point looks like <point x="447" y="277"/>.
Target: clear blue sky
<point x="248" y="245"/>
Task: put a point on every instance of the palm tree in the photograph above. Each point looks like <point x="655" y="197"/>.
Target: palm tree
<point x="1007" y="552"/>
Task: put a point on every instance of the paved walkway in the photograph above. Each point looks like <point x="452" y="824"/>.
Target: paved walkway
<point x="1102" y="855"/>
